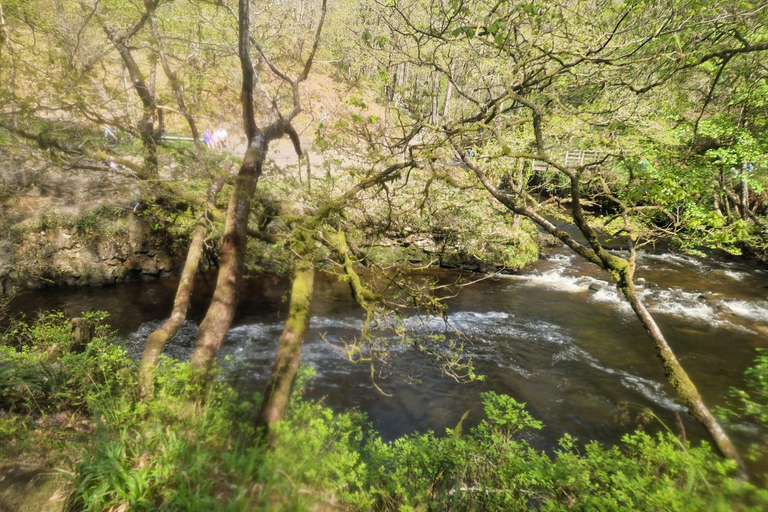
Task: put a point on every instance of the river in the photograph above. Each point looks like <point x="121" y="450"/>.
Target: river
<point x="556" y="336"/>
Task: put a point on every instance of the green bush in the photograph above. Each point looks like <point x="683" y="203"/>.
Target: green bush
<point x="173" y="453"/>
<point x="751" y="404"/>
<point x="184" y="456"/>
<point x="39" y="374"/>
<point x="324" y="459"/>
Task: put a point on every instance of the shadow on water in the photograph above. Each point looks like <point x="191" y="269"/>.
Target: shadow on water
<point x="556" y="336"/>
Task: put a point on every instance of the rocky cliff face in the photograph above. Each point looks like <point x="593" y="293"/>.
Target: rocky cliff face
<point x="79" y="227"/>
<point x="75" y="227"/>
<point x="60" y="256"/>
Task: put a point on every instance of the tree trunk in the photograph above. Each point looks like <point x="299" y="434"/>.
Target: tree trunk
<point x="232" y="254"/>
<point x="150" y="112"/>
<point x="716" y="194"/>
<point x="278" y="391"/>
<point x="448" y="96"/>
<point x="157" y="340"/>
<point x="744" y="193"/>
<point x="746" y="212"/>
<point x="519" y="184"/>
<point x="232" y="260"/>
<point x="677" y="376"/>
<point x="178" y="88"/>
<point x="85" y="330"/>
<point x="435" y="101"/>
<point x="716" y="203"/>
<point x="389" y="93"/>
<point x="5" y="42"/>
<point x="621" y="270"/>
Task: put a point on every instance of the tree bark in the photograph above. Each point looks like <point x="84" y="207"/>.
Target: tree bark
<point x="677" y="376"/>
<point x="157" y="340"/>
<point x="232" y="254"/>
<point x="278" y="391"/>
<point x="744" y="193"/>
<point x="389" y="93"/>
<point x="176" y="85"/>
<point x="150" y="112"/>
<point x="5" y="42"/>
<point x="434" y="102"/>
<point x="739" y="206"/>
<point x="448" y="96"/>
<point x="716" y="202"/>
<point x="232" y="260"/>
<point x="85" y="330"/>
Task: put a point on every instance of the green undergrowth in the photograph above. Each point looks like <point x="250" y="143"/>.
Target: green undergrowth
<point x="171" y="453"/>
<point x="105" y="223"/>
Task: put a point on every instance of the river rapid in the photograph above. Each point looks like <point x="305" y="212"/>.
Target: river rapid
<point x="556" y="336"/>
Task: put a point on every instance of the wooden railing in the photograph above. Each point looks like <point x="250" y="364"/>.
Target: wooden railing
<point x="570" y="159"/>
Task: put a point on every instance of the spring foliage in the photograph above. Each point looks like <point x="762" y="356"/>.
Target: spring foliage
<point x="172" y="454"/>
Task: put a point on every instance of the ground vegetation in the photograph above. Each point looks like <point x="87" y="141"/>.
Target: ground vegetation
<point x="464" y="129"/>
<point x="76" y="407"/>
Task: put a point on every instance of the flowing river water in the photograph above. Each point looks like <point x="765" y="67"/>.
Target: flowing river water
<point x="556" y="336"/>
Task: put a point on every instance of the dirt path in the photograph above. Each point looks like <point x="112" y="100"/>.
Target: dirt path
<point x="282" y="155"/>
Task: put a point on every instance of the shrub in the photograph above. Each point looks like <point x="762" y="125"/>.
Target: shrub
<point x="39" y="374"/>
<point x="171" y="453"/>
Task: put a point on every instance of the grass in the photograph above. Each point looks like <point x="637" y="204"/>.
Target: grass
<point x="77" y="434"/>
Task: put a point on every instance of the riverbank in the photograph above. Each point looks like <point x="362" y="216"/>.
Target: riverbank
<point x="113" y="245"/>
<point x="109" y="245"/>
<point x="559" y="320"/>
<point x="170" y="453"/>
<point x="61" y="233"/>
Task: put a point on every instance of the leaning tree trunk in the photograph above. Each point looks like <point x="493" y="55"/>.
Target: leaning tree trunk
<point x="232" y="254"/>
<point x="622" y="271"/>
<point x="157" y="340"/>
<point x="288" y="357"/>
<point x="232" y="261"/>
<point x="677" y="376"/>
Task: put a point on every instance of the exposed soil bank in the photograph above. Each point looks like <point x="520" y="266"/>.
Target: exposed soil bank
<point x="32" y="489"/>
<point x="83" y="228"/>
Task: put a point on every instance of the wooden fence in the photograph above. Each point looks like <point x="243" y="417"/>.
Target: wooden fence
<point x="570" y="159"/>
